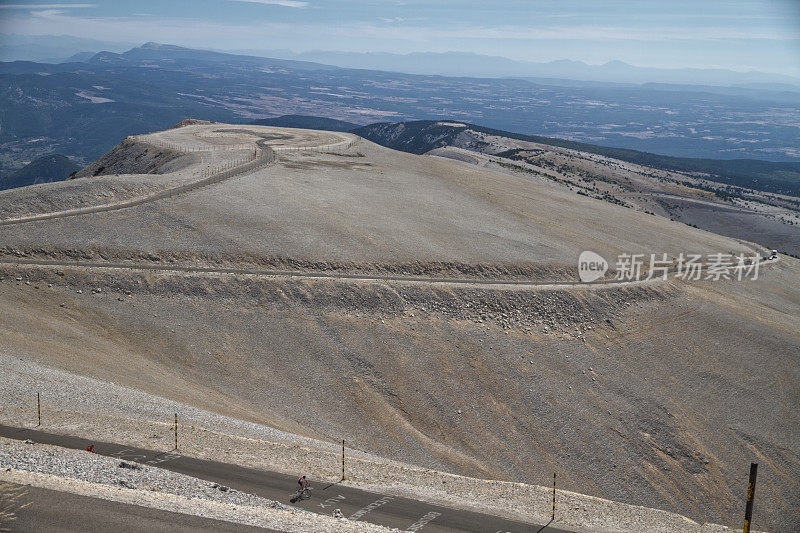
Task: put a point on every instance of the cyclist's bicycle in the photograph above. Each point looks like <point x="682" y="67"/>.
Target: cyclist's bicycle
<point x="302" y="494"/>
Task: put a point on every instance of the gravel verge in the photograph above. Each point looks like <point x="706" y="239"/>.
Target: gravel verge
<point x="137" y="419"/>
<point x="126" y="482"/>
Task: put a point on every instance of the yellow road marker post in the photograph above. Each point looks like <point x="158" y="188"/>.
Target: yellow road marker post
<point x="751" y="494"/>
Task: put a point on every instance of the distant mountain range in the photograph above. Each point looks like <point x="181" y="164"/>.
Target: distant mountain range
<point x="484" y="66"/>
<point x="53" y="48"/>
<point x="83" y="108"/>
<point x="65" y="48"/>
<point x="159" y="52"/>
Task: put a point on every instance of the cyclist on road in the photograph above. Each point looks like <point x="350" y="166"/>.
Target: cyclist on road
<point x="303" y="482"/>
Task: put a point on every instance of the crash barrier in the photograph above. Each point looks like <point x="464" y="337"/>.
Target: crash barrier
<point x="260" y="158"/>
<point x="91" y="447"/>
<point x="751" y="487"/>
<point x="341" y="145"/>
<point x="174" y="432"/>
<point x="161" y="143"/>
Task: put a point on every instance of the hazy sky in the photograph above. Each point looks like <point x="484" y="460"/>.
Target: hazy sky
<point x="737" y="34"/>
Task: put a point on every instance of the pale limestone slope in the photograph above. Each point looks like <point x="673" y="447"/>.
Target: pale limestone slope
<point x="373" y="205"/>
<point x="663" y="402"/>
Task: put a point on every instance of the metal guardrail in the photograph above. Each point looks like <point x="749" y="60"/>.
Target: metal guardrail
<point x="343" y="145"/>
<point x="155" y="141"/>
<point x="260" y="158"/>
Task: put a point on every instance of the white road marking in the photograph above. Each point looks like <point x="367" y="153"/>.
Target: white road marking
<point x="371" y="507"/>
<point x="163" y="459"/>
<point x="330" y="502"/>
<point x="424" y="521"/>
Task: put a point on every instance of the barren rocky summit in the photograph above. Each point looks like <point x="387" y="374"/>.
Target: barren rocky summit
<point x="427" y="311"/>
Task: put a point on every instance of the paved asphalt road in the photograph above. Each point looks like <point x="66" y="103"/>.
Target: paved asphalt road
<point x="401" y="513"/>
<point x="64" y="512"/>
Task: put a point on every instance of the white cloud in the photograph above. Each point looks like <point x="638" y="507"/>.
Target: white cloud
<point x="193" y="31"/>
<point x="284" y="3"/>
<point x="199" y="32"/>
<point x="44" y="6"/>
<point x="593" y="43"/>
<point x="47" y="13"/>
<point x="569" y="33"/>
